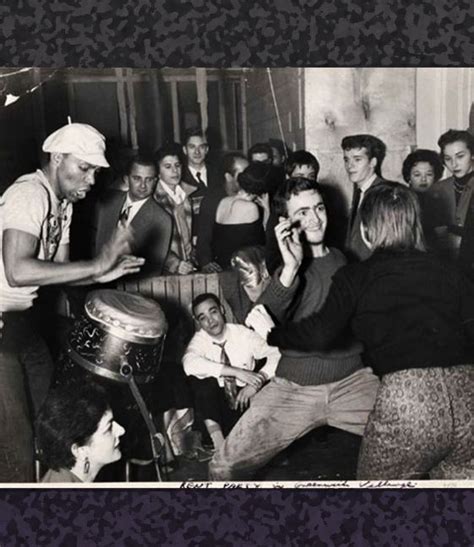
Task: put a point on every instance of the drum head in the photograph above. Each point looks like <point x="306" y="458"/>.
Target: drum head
<point x="129" y="316"/>
<point x="119" y="335"/>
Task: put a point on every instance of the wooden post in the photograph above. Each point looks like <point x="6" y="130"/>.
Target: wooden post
<point x="71" y="100"/>
<point x="222" y="114"/>
<point x="243" y="106"/>
<point x="174" y="107"/>
<point x="158" y="118"/>
<point x="122" y="106"/>
<point x="132" y="114"/>
<point x="38" y="111"/>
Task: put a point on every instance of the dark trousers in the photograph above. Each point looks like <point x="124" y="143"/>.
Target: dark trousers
<point x="25" y="374"/>
<point x="210" y="403"/>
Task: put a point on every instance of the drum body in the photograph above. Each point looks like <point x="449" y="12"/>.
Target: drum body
<point x="119" y="334"/>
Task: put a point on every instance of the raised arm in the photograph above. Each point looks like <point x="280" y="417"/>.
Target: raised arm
<point x="22" y="268"/>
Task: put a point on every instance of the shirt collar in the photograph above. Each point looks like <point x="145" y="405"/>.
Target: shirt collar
<point x="194" y="172"/>
<point x="177" y="197"/>
<point x="221" y="340"/>
<point x="368" y="183"/>
<point x="133" y="204"/>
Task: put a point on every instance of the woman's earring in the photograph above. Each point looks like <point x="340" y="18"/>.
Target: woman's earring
<point x="87" y="466"/>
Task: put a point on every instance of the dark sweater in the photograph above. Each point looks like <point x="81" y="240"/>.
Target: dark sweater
<point x="408" y="309"/>
<point x="306" y="296"/>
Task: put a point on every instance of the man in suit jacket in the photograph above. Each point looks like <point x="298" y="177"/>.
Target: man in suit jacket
<point x="152" y="225"/>
<point x="204" y="176"/>
<point x="451" y="200"/>
<point x="363" y="157"/>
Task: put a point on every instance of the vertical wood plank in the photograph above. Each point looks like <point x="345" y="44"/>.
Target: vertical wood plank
<point x="122" y="106"/>
<point x="174" y="107"/>
<point x="132" y="114"/>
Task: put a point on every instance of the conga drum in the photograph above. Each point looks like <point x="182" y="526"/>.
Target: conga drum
<point x="119" y="334"/>
<point x="120" y="338"/>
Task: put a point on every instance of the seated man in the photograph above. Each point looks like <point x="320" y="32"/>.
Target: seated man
<point x="152" y="225"/>
<point x="310" y="389"/>
<point x="221" y="360"/>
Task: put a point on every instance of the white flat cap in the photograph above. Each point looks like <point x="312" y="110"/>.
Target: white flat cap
<point x="79" y="139"/>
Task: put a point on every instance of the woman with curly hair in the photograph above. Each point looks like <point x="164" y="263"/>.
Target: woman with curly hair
<point x="76" y="433"/>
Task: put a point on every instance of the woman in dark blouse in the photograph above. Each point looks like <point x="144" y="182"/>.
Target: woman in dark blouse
<point x="415" y="317"/>
<point x="241" y="219"/>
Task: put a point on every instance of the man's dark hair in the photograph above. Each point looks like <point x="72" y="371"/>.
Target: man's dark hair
<point x="193" y="132"/>
<point x="70" y="415"/>
<point x="168" y="149"/>
<point x="301" y="157"/>
<point x="260" y="148"/>
<point x="254" y="179"/>
<point x="142" y="158"/>
<point x="454" y="135"/>
<point x="228" y="162"/>
<point x="203" y="297"/>
<point x="293" y="187"/>
<point x="375" y="148"/>
<point x="428" y="156"/>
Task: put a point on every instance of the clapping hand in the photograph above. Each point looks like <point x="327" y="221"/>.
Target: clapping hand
<point x="125" y="265"/>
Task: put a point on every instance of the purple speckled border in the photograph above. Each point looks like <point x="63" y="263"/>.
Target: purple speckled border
<point x="238" y="517"/>
<point x="144" y="33"/>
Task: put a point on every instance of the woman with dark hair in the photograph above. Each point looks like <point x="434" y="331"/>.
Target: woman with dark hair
<point x="415" y="316"/>
<point x="173" y="194"/>
<point x="421" y="169"/>
<point x="76" y="433"/>
<point x="240" y="221"/>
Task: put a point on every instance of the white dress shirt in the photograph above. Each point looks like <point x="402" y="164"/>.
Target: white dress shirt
<point x="367" y="184"/>
<point x="135" y="206"/>
<point x="202" y="172"/>
<point x="203" y="356"/>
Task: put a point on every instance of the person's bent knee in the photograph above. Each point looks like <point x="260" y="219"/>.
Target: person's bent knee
<point x="220" y="469"/>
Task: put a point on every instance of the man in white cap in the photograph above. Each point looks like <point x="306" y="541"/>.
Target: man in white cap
<point x="34" y="224"/>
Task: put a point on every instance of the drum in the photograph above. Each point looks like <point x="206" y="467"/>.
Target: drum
<point x="119" y="334"/>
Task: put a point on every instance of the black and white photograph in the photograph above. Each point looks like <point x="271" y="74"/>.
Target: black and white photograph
<point x="240" y="274"/>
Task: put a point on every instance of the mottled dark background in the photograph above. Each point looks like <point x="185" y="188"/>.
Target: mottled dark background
<point x="225" y="33"/>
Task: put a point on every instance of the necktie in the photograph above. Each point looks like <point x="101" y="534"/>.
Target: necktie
<point x="230" y="386"/>
<point x="355" y="203"/>
<point x="124" y="215"/>
<point x="202" y="184"/>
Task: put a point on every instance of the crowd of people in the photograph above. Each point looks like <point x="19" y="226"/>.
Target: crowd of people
<point x="364" y="321"/>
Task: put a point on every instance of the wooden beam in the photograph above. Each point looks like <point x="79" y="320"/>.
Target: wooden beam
<point x="222" y="115"/>
<point x="38" y="111"/>
<point x="132" y="113"/>
<point x="174" y="107"/>
<point x="243" y="106"/>
<point x="122" y="106"/>
<point x="71" y="101"/>
<point x="158" y="118"/>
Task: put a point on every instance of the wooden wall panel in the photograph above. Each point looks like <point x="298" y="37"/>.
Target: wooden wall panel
<point x="345" y="101"/>
<point x="261" y="113"/>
